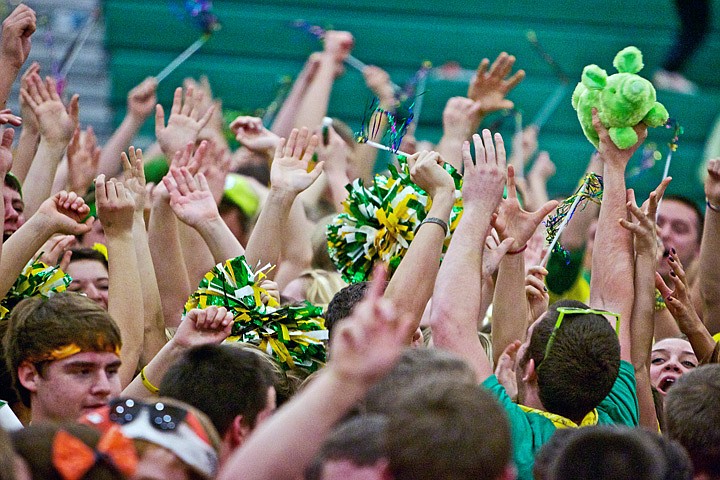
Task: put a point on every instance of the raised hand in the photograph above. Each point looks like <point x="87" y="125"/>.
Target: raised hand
<point x="678" y="300"/>
<point x="183" y="158"/>
<point x="206" y="326"/>
<point x="17" y="29"/>
<point x="609" y="152"/>
<point x="56" y="122"/>
<point x="712" y="183"/>
<point x="56" y="249"/>
<point x="215" y="165"/>
<point x="185" y="121"/>
<point x="536" y="292"/>
<point x="484" y="179"/>
<point x="378" y="81"/>
<point x="64" y="212"/>
<point x="115" y="206"/>
<point x="190" y="197"/>
<point x="644" y="229"/>
<point x="142" y="99"/>
<point x="366" y="345"/>
<point x="525" y="142"/>
<point x="426" y="171"/>
<point x="6" y="156"/>
<point x="272" y="289"/>
<point x="490" y="87"/>
<point x="513" y="221"/>
<point x="134" y="174"/>
<point x="289" y="171"/>
<point x="493" y="253"/>
<point x="461" y="118"/>
<point x="252" y="134"/>
<point x="338" y="44"/>
<point x="83" y="156"/>
<point x="30" y="121"/>
<point x="6" y="116"/>
<point x="543" y="167"/>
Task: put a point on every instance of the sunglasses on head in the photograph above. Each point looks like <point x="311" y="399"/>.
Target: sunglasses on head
<point x="161" y="416"/>
<point x="562" y="311"/>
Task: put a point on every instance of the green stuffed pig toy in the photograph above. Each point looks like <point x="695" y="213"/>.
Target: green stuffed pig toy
<point x="622" y="100"/>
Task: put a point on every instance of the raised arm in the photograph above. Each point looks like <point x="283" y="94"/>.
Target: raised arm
<point x="288" y="177"/>
<point x="62" y="213"/>
<point x="641" y="323"/>
<point x="285" y="118"/>
<point x="680" y="306"/>
<point x="6" y="139"/>
<point x="454" y="328"/>
<point x="612" y="267"/>
<point x="77" y="172"/>
<point x="365" y="346"/>
<point x="57" y="125"/>
<point x="165" y="244"/>
<point x="461" y="118"/>
<point x="709" y="280"/>
<point x="30" y="134"/>
<point x="141" y="101"/>
<point x="194" y="205"/>
<point x="419" y="267"/>
<point x="510" y="310"/>
<point x="115" y="208"/>
<point x="15" y="42"/>
<point x="153" y="320"/>
<point x="199" y="327"/>
<point x="491" y="86"/>
<point x="314" y="105"/>
<point x="184" y="123"/>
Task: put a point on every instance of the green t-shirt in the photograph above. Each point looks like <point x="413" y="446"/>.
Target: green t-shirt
<point x="531" y="429"/>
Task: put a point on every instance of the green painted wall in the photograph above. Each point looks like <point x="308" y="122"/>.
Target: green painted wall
<point x="257" y="47"/>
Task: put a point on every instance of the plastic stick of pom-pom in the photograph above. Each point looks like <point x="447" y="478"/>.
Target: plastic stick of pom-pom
<point x="380" y="146"/>
<point x="417" y="110"/>
<point x="666" y="171"/>
<point x="181" y="58"/>
<point x="562" y="226"/>
<point x="359" y="65"/>
<point x="77" y="45"/>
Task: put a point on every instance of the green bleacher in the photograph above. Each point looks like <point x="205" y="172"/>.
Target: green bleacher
<point x="257" y="46"/>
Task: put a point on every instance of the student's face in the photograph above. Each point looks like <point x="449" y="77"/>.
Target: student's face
<point x="14" y="207"/>
<point x="158" y="463"/>
<point x="91" y="278"/>
<point x="678" y="228"/>
<point x="73" y="386"/>
<point x="670" y="358"/>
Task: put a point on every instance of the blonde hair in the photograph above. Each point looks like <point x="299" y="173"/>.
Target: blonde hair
<point x="321" y="286"/>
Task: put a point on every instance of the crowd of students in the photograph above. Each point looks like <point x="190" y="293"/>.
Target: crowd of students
<point x="456" y="369"/>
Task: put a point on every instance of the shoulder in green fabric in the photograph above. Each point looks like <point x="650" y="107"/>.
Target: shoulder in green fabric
<point x="623" y="99"/>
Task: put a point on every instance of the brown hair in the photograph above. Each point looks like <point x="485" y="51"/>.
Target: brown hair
<point x="40" y="326"/>
<point x="693" y="418"/>
<point x="449" y="431"/>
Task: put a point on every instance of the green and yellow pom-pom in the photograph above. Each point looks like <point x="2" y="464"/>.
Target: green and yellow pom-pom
<point x="379" y="221"/>
<point x="294" y="335"/>
<point x="35" y="279"/>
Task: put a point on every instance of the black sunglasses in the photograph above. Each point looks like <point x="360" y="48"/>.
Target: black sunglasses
<point x="162" y="416"/>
